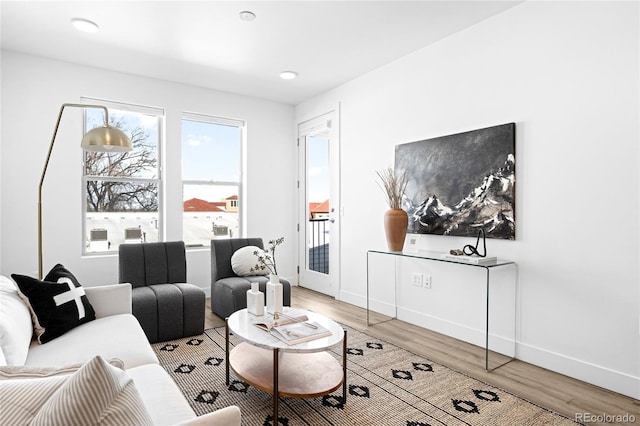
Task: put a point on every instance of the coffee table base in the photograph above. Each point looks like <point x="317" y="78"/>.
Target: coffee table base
<point x="303" y="375"/>
<point x="299" y="375"/>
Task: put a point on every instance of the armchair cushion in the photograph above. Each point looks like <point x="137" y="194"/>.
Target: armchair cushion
<point x="152" y="263"/>
<point x="244" y="260"/>
<point x="58" y="303"/>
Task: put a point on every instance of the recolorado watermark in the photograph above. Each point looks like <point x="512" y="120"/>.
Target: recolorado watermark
<point x="604" y="418"/>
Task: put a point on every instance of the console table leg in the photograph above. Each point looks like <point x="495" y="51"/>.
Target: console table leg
<point x="486" y="333"/>
<point x="275" y="386"/>
<point x="344" y="368"/>
<point x="226" y="349"/>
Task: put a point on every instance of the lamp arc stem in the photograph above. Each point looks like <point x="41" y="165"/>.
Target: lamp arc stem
<point x="46" y="165"/>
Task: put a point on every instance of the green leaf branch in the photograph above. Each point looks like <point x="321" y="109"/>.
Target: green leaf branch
<point x="267" y="258"/>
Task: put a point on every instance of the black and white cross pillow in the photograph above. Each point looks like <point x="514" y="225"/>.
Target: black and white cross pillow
<point x="58" y="303"/>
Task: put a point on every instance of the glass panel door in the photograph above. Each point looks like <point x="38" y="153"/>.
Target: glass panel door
<point x="319" y="199"/>
<point x="317" y="229"/>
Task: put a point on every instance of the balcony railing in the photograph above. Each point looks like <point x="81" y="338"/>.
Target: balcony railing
<point x="319" y="245"/>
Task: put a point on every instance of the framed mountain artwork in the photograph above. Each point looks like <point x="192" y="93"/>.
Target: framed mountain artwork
<point x="461" y="183"/>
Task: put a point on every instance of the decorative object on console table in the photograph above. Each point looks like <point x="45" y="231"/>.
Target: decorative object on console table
<point x="412" y="244"/>
<point x="470" y="250"/>
<point x="267" y="260"/>
<point x="396" y="220"/>
<point x="474" y="260"/>
<point x="104" y="139"/>
<point x="255" y="300"/>
<point x="471" y="254"/>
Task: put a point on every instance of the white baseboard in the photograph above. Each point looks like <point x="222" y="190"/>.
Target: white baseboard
<point x="475" y="336"/>
<point x="607" y="378"/>
<point x="597" y="375"/>
<point x="353" y="299"/>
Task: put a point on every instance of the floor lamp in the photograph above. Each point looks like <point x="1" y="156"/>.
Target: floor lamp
<point x="102" y="139"/>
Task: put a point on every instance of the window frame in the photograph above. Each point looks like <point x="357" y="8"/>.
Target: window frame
<point x="158" y="181"/>
<point x="212" y="119"/>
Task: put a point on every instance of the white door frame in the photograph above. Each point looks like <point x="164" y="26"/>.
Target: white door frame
<point x="325" y="283"/>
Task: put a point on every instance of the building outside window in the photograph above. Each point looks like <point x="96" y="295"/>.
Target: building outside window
<point x="211" y="178"/>
<point x="122" y="195"/>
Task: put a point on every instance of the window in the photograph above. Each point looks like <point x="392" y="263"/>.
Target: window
<point x="122" y="194"/>
<point x="211" y="178"/>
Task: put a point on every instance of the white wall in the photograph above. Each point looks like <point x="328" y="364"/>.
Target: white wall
<point x="567" y="74"/>
<point x="33" y="90"/>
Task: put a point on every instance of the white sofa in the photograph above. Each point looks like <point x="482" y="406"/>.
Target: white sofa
<point x="115" y="333"/>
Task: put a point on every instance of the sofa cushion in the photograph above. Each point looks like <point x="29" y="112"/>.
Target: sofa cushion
<point x="58" y="303"/>
<point x="116" y="336"/>
<point x="16" y="328"/>
<point x="98" y="394"/>
<point x="17" y="372"/>
<point x="244" y="261"/>
<point x="163" y="399"/>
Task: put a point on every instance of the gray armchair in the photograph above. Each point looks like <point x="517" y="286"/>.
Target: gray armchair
<point x="165" y="305"/>
<point x="228" y="290"/>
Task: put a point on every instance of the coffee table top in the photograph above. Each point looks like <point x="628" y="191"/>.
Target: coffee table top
<point x="241" y="324"/>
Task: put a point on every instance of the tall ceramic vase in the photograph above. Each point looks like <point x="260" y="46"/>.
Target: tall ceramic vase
<point x="395" y="227"/>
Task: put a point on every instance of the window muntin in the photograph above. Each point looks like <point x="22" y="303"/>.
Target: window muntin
<point x="211" y="173"/>
<point x="122" y="189"/>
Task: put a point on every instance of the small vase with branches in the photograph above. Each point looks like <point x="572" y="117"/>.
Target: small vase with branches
<point x="267" y="261"/>
<point x="267" y="258"/>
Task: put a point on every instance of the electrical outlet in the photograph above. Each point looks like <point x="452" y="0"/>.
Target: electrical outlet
<point x="418" y="280"/>
<point x="426" y="283"/>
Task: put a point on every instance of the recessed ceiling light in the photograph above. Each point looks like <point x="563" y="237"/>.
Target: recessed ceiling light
<point x="247" y="15"/>
<point x="288" y="75"/>
<point x="84" y="25"/>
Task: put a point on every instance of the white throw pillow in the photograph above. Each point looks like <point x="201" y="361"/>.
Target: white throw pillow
<point x="16" y="327"/>
<point x="244" y="259"/>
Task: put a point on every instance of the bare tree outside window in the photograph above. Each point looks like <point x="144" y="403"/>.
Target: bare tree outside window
<point x="122" y="188"/>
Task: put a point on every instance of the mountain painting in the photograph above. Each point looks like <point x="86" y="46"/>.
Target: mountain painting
<point x="461" y="183"/>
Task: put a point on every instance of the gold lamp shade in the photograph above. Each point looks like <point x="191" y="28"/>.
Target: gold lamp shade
<point x="106" y="139"/>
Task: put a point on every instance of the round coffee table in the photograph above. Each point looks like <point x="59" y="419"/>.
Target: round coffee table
<point x="304" y="370"/>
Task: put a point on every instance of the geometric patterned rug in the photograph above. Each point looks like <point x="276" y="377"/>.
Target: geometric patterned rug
<point x="386" y="385"/>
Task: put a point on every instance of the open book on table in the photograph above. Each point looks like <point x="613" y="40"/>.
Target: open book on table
<point x="293" y="330"/>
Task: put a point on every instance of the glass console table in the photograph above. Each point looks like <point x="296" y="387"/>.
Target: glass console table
<point x="432" y="256"/>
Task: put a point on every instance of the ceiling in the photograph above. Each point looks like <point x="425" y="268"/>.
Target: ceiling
<point x="205" y="43"/>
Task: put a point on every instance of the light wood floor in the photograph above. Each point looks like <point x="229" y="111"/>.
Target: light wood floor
<point x="548" y="389"/>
